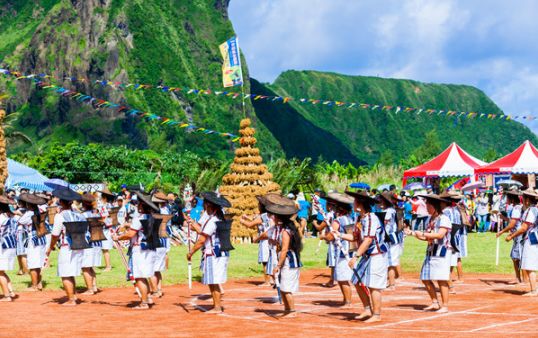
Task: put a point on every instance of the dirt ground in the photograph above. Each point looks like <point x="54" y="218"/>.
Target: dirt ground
<point x="484" y="304"/>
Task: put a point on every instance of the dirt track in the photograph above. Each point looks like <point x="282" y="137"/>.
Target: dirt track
<point x="484" y="304"/>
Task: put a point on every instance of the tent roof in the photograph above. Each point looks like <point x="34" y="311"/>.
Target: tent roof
<point x="523" y="160"/>
<point x="25" y="177"/>
<point x="454" y="161"/>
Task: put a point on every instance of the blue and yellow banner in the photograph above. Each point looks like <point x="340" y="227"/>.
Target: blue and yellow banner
<point x="232" y="75"/>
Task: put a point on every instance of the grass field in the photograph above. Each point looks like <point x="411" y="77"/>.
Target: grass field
<point x="243" y="262"/>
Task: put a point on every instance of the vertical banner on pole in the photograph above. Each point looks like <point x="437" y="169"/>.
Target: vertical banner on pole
<point x="232" y="75"/>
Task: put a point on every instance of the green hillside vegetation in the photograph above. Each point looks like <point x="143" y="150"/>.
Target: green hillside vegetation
<point x="368" y="134"/>
<point x="148" y="41"/>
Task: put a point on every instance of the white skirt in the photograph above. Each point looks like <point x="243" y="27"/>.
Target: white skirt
<point x="160" y="260"/>
<point x="342" y="271"/>
<point x="97" y="256"/>
<point x="142" y="262"/>
<point x="263" y="251"/>
<point x="529" y="260"/>
<point x="436" y="268"/>
<point x="373" y="271"/>
<point x="214" y="270"/>
<point x="289" y="279"/>
<point x="107" y="243"/>
<point x="7" y="259"/>
<point x="35" y="255"/>
<point x="454" y="258"/>
<point x="394" y="253"/>
<point x="69" y="262"/>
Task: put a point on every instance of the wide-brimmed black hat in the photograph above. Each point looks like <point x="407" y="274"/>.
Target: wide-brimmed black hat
<point x="216" y="199"/>
<point x="66" y="194"/>
<point x="362" y="196"/>
<point x="434" y="197"/>
<point x="107" y="192"/>
<point x="146" y="199"/>
<point x="451" y="196"/>
<point x="339" y="198"/>
<point x="5" y="200"/>
<point x="513" y="192"/>
<point x="530" y="193"/>
<point x="88" y="198"/>
<point x="32" y="199"/>
<point x="389" y="197"/>
<point x="280" y="205"/>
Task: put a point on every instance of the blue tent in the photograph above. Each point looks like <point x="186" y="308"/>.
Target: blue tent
<point x="23" y="176"/>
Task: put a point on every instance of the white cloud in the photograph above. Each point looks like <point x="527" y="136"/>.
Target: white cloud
<point x="489" y="44"/>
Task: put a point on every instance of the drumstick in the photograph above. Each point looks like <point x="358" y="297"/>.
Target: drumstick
<point x="497" y="248"/>
<point x="338" y="243"/>
<point x="189" y="264"/>
<point x="277" y="286"/>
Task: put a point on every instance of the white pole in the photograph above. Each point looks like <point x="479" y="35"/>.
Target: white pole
<point x="498" y="244"/>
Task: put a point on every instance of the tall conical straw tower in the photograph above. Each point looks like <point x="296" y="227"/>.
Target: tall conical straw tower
<point x="3" y="153"/>
<point x="248" y="178"/>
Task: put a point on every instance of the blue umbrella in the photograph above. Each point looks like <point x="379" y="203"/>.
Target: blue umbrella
<point x="414" y="186"/>
<point x="359" y="185"/>
<point x="56" y="183"/>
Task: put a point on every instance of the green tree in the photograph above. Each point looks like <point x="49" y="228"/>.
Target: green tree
<point x="490" y="155"/>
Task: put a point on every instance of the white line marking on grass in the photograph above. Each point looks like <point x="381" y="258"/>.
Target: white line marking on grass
<point x="502" y="324"/>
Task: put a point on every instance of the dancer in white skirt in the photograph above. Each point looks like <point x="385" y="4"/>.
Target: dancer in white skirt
<point x="8" y="245"/>
<point x="69" y="261"/>
<point x="436" y="266"/>
<point x="161" y="253"/>
<point x="323" y="228"/>
<point x="214" y="260"/>
<point x="35" y="245"/>
<point x="262" y="223"/>
<point x="343" y="222"/>
<point x="450" y="210"/>
<point x="395" y="236"/>
<point x="287" y="269"/>
<point x="370" y="273"/>
<point x="92" y="256"/>
<point x="514" y="201"/>
<point x="529" y="231"/>
<point x="104" y="206"/>
<point x="142" y="250"/>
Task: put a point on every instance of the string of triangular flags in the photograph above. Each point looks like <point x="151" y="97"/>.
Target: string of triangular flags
<point x="99" y="103"/>
<point x="281" y="99"/>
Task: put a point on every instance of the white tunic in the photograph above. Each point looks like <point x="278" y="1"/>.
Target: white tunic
<point x="215" y="261"/>
<point x="436" y="265"/>
<point x="69" y="261"/>
<point x="8" y="242"/>
<point x="142" y="260"/>
<point x="35" y="246"/>
<point x="529" y="260"/>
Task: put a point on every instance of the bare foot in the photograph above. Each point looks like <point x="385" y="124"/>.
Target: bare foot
<point x="459" y="281"/>
<point x="265" y="284"/>
<point x="391" y="287"/>
<point x="530" y="294"/>
<point x="373" y="319"/>
<point x="88" y="293"/>
<point x="452" y="291"/>
<point x="289" y="314"/>
<point x="6" y="299"/>
<point x="31" y="289"/>
<point x="215" y="311"/>
<point x="71" y="302"/>
<point x="366" y="314"/>
<point x="20" y="273"/>
<point x="142" y="306"/>
<point x="443" y="309"/>
<point x="107" y="269"/>
<point x="347" y="305"/>
<point x="150" y="300"/>
<point x="329" y="284"/>
<point x="433" y="307"/>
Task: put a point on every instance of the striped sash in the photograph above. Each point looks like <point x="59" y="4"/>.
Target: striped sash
<point x="293" y="260"/>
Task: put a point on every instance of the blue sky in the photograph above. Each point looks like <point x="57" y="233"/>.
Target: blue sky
<point x="491" y="44"/>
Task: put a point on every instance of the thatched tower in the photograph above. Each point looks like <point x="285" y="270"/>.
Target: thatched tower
<point x="3" y="152"/>
<point x="248" y="178"/>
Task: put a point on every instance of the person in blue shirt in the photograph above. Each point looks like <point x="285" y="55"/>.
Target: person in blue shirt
<point x="304" y="207"/>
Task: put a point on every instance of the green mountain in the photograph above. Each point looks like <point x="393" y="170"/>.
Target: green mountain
<point x="367" y="134"/>
<point x="136" y="41"/>
<point x="176" y="42"/>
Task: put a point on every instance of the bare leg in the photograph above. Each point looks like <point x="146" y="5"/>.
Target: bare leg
<point x="86" y="273"/>
<point x="143" y="287"/>
<point x="532" y="283"/>
<point x="23" y="264"/>
<point x="289" y="304"/>
<point x="516" y="270"/>
<point x="5" y="287"/>
<point x="34" y="276"/>
<point x="392" y="277"/>
<point x="106" y="254"/>
<point x="430" y="288"/>
<point x="346" y="292"/>
<point x="266" y="277"/>
<point x="69" y="287"/>
<point x="375" y="295"/>
<point x="443" y="287"/>
<point x="215" y="293"/>
<point x="365" y="299"/>
<point x="460" y="271"/>
<point x="398" y="272"/>
<point x="156" y="283"/>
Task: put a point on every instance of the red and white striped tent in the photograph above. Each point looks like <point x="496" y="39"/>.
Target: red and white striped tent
<point x="523" y="160"/>
<point x="454" y="161"/>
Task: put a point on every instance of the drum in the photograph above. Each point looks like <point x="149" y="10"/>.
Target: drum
<point x="400" y="219"/>
<point x="39" y="225"/>
<point x="150" y="227"/>
<point x="163" y="233"/>
<point x="113" y="214"/>
<point x="464" y="216"/>
<point x="51" y="212"/>
<point x="350" y="230"/>
<point x="96" y="229"/>
<point x="77" y="232"/>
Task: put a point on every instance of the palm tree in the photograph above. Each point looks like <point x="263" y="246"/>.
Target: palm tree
<point x="3" y="155"/>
